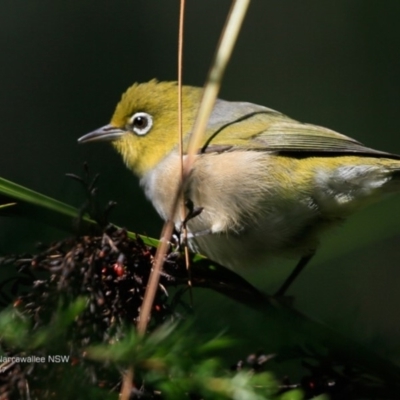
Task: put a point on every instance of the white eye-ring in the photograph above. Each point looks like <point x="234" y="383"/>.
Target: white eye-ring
<point x="141" y="123"/>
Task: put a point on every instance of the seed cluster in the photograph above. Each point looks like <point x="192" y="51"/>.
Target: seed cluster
<point x="110" y="270"/>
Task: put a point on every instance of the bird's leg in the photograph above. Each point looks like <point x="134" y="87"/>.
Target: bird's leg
<point x="192" y="211"/>
<point x="295" y="273"/>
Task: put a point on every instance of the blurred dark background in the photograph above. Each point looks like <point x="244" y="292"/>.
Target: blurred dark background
<point x="64" y="67"/>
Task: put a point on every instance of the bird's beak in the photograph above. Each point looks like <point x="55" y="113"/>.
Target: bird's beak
<point x="105" y="133"/>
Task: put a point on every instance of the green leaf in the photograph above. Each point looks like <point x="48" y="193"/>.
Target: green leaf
<point x="7" y="205"/>
<point x="295" y="394"/>
<point x="34" y="205"/>
<point x="14" y="328"/>
<point x="63" y="319"/>
<point x="29" y="204"/>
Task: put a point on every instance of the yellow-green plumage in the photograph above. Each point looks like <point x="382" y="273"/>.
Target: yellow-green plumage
<point x="142" y="97"/>
<point x="267" y="184"/>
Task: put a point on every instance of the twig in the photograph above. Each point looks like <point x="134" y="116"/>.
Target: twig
<point x="224" y="51"/>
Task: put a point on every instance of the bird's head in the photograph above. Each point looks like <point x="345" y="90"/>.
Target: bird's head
<point x="144" y="127"/>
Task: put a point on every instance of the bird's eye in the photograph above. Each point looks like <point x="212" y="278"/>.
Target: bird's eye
<point x="141" y="123"/>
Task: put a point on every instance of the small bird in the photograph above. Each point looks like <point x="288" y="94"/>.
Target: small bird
<point x="268" y="185"/>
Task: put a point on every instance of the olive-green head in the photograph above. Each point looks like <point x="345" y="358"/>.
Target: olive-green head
<point x="144" y="127"/>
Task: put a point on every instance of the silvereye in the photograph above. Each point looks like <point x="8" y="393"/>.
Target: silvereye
<point x="268" y="185"/>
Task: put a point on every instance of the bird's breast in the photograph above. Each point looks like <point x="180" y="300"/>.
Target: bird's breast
<point x="250" y="210"/>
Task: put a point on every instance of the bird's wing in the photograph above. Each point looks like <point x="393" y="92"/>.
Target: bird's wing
<point x="249" y="126"/>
